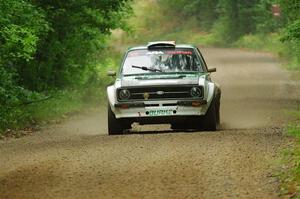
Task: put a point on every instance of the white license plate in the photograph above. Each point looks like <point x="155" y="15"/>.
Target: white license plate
<point x="160" y="112"/>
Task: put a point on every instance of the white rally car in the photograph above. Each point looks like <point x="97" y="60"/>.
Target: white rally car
<point x="163" y="83"/>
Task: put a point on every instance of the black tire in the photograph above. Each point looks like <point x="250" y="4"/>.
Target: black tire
<point x="115" y="126"/>
<point x="210" y="119"/>
<point x="218" y="99"/>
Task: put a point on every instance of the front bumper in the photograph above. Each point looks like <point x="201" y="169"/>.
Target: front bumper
<point x="160" y="109"/>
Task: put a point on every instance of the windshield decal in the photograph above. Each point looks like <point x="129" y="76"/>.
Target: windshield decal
<point x="135" y="53"/>
<point x="155" y="53"/>
<point x="169" y="52"/>
<point x="179" y="52"/>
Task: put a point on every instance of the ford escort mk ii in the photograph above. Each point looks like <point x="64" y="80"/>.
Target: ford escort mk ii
<point x="163" y="83"/>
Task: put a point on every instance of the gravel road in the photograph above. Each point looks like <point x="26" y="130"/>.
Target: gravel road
<point x="76" y="159"/>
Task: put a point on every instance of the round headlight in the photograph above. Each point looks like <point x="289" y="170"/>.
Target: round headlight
<point x="196" y="92"/>
<point x="124" y="94"/>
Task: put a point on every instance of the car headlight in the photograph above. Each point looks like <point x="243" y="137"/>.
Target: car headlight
<point x="124" y="94"/>
<point x="196" y="92"/>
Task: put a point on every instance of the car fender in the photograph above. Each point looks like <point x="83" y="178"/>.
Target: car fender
<point x="210" y="93"/>
<point x="111" y="95"/>
<point x="210" y="90"/>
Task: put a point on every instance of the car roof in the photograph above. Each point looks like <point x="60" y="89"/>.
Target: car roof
<point x="176" y="46"/>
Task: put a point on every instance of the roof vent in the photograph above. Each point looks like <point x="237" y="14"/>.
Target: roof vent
<point x="161" y="44"/>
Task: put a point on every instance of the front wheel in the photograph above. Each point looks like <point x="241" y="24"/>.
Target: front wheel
<point x="211" y="120"/>
<point x="115" y="126"/>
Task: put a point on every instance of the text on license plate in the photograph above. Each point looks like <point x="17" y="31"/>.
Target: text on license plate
<point x="160" y="112"/>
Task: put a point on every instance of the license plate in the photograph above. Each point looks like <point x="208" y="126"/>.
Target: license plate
<point x="160" y="112"/>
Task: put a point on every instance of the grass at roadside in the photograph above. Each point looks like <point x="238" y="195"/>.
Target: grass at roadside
<point x="26" y="116"/>
<point x="57" y="106"/>
<point x="270" y="43"/>
<point x="288" y="52"/>
<point x="290" y="175"/>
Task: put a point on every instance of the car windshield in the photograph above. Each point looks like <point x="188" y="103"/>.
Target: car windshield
<point x="161" y="61"/>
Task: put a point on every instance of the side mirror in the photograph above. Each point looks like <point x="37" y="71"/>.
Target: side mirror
<point x="212" y="70"/>
<point x="111" y="73"/>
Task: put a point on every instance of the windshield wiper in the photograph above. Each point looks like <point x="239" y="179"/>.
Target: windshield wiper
<point x="147" y="69"/>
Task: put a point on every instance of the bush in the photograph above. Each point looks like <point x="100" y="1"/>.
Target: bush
<point x="49" y="48"/>
<point x="12" y="97"/>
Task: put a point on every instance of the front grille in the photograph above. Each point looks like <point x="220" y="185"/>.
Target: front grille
<point x="161" y="93"/>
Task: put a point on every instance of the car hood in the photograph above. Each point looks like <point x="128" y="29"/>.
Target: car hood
<point x="162" y="79"/>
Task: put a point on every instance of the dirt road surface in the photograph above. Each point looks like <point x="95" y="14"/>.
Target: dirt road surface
<point x="76" y="159"/>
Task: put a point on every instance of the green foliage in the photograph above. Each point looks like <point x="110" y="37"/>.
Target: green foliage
<point x="294" y="130"/>
<point x="290" y="176"/>
<point x="162" y="20"/>
<point x="21" y="26"/>
<point x="290" y="10"/>
<point x="288" y="51"/>
<point x="59" y="105"/>
<point x="237" y="18"/>
<point x="291" y="38"/>
<point x="264" y="19"/>
<point x="205" y="11"/>
<point x="228" y="20"/>
<point x="66" y="57"/>
<point x="12" y="97"/>
<point x="263" y="42"/>
<point x="292" y="32"/>
<point x="19" y="114"/>
<point x="49" y="45"/>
